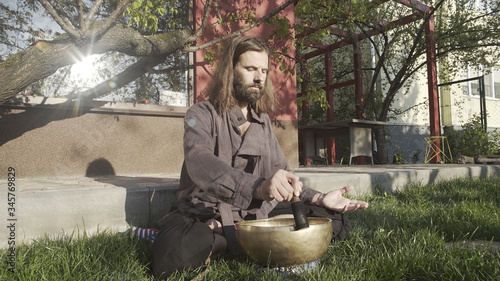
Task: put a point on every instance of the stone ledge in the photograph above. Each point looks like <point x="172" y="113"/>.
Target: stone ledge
<point x="60" y="206"/>
<point x="367" y="179"/>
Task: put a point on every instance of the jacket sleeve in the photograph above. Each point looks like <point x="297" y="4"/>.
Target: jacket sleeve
<point x="211" y="173"/>
<point x="280" y="162"/>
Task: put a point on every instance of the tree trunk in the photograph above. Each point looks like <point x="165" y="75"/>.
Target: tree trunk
<point x="382" y="157"/>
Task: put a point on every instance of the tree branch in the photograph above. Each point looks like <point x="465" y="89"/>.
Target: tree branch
<point x="80" y="13"/>
<point x="401" y="111"/>
<point x="241" y="31"/>
<point x="63" y="22"/>
<point x="162" y="71"/>
<point x="61" y="13"/>
<point x="91" y="14"/>
<point x="130" y="74"/>
<point x="112" y="18"/>
<point x="203" y="24"/>
<point x="45" y="57"/>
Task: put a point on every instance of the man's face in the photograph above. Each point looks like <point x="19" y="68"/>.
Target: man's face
<point x="249" y="76"/>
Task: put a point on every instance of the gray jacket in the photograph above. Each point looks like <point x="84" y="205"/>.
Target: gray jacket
<point x="221" y="169"/>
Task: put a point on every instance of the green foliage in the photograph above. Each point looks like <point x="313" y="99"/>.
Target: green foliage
<point x="146" y="14"/>
<point x="394" y="60"/>
<point x="467" y="33"/>
<point x="147" y="17"/>
<point x="245" y="14"/>
<point x="472" y="140"/>
<point x="16" y="26"/>
<point x="464" y="36"/>
<point x="399" y="156"/>
<point x="314" y="93"/>
<point x="316" y="111"/>
<point x="212" y="55"/>
<point x="317" y="13"/>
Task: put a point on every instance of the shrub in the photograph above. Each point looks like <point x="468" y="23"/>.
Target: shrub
<point x="472" y="140"/>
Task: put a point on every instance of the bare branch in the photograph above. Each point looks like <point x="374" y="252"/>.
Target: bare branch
<point x="402" y="111"/>
<point x="162" y="71"/>
<point x="91" y="14"/>
<point x="112" y="18"/>
<point x="203" y="24"/>
<point x="457" y="48"/>
<point x="241" y="31"/>
<point x="63" y="22"/>
<point x="61" y="12"/>
<point x="80" y="13"/>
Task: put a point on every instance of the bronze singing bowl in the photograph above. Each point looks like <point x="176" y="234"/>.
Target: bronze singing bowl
<point x="276" y="242"/>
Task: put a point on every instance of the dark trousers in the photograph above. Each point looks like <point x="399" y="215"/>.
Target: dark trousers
<point x="185" y="242"/>
<point x="182" y="242"/>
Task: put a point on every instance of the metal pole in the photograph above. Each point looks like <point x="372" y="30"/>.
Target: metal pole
<point x="331" y="153"/>
<point x="432" y="85"/>
<point x="482" y="98"/>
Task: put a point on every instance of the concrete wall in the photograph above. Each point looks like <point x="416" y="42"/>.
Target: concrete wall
<point x="463" y="108"/>
<point x="54" y="141"/>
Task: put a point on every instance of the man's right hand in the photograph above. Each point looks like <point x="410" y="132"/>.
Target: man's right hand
<point x="280" y="187"/>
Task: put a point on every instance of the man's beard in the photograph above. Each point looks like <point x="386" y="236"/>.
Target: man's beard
<point x="244" y="92"/>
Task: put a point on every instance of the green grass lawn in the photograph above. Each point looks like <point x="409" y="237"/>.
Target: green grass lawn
<point x="408" y="235"/>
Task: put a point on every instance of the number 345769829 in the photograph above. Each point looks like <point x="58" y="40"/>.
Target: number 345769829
<point x="11" y="197"/>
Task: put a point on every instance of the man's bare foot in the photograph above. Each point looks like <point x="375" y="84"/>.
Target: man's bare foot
<point x="215" y="226"/>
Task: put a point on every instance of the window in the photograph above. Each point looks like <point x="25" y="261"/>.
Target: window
<point x="471" y="88"/>
<point x="496" y="82"/>
<point x="491" y="82"/>
<point x="488" y="90"/>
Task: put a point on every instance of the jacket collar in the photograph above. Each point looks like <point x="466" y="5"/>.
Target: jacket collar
<point x="237" y="115"/>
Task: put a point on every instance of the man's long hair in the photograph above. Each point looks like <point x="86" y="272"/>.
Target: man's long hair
<point x="220" y="90"/>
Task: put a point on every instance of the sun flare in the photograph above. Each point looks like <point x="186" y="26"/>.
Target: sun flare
<point x="84" y="69"/>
